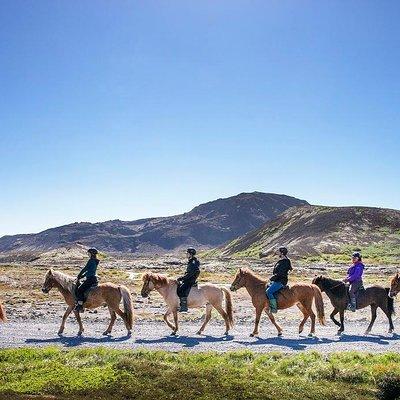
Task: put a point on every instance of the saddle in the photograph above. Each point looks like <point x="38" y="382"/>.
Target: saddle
<point x="86" y="293"/>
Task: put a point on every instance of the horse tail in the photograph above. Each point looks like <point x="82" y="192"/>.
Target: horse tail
<point x="128" y="307"/>
<point x="319" y="304"/>
<point x="2" y="314"/>
<point x="228" y="306"/>
<point x="390" y="302"/>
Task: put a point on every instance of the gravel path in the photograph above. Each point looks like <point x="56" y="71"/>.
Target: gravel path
<point x="155" y="335"/>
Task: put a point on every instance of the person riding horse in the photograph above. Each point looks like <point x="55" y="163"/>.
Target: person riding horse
<point x="189" y="279"/>
<point x="279" y="279"/>
<point x="354" y="278"/>
<point x="86" y="279"/>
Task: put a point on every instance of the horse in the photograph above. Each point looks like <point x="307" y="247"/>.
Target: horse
<point x="108" y="293"/>
<point x="206" y="294"/>
<point x="300" y="294"/>
<point x="375" y="296"/>
<point x="394" y="286"/>
<point x="2" y="314"/>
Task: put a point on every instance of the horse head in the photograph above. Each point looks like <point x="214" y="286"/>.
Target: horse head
<point x="319" y="281"/>
<point x="152" y="281"/>
<point x="394" y="286"/>
<point x="48" y="281"/>
<point x="239" y="280"/>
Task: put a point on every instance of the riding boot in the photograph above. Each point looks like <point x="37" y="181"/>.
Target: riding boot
<point x="273" y="306"/>
<point x="79" y="307"/>
<point x="183" y="305"/>
<point x="352" y="306"/>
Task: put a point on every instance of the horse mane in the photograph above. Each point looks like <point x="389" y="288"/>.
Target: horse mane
<point x="156" y="279"/>
<point x="66" y="281"/>
<point x="253" y="275"/>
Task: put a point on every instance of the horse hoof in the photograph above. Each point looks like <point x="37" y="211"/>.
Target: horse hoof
<point x="80" y="333"/>
<point x="280" y="333"/>
<point x="253" y="334"/>
<point x="390" y="331"/>
<point x="226" y="333"/>
<point x="366" y="333"/>
<point x="59" y="333"/>
<point x="310" y="335"/>
<point x="106" y="333"/>
<point x="198" y="333"/>
<point x="173" y="333"/>
<point x="129" y="333"/>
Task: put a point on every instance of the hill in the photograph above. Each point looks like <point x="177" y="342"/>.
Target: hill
<point x="206" y="226"/>
<point x="330" y="233"/>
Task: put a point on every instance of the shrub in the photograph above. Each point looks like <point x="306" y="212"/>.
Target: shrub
<point x="389" y="387"/>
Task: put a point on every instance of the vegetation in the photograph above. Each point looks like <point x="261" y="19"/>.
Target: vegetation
<point x="103" y="374"/>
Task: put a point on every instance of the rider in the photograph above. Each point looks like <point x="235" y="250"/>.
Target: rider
<point x="189" y="279"/>
<point x="89" y="273"/>
<point x="279" y="278"/>
<point x="354" y="277"/>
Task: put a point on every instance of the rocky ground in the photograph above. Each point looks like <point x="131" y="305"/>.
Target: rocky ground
<point x="34" y="317"/>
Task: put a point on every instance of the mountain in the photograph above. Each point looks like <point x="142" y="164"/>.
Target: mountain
<point x="331" y="233"/>
<point x="206" y="226"/>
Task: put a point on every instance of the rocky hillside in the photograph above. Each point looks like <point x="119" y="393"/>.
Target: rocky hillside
<point x="331" y="233"/>
<point x="207" y="225"/>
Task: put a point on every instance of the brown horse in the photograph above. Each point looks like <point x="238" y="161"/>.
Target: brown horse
<point x="2" y="314"/>
<point x="206" y="294"/>
<point x="108" y="293"/>
<point x="375" y="296"/>
<point x="394" y="286"/>
<point x="300" y="294"/>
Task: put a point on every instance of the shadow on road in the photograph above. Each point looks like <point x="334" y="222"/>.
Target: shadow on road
<point x="71" y="341"/>
<point x="186" y="341"/>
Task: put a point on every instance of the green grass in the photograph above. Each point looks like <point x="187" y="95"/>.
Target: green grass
<point x="104" y="374"/>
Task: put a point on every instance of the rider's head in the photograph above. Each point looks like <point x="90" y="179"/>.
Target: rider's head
<point x="93" y="252"/>
<point x="191" y="252"/>
<point x="282" y="251"/>
<point x="356" y="256"/>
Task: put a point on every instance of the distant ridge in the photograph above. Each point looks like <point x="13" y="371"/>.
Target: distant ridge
<point x="206" y="226"/>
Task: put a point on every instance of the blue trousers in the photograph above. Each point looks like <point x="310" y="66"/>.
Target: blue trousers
<point x="272" y="289"/>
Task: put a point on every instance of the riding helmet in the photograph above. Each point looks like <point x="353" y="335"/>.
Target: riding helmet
<point x="283" y="250"/>
<point x="357" y="254"/>
<point x="93" y="251"/>
<point x="191" y="251"/>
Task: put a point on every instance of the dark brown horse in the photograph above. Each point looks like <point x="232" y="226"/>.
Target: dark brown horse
<point x="375" y="296"/>
<point x="300" y="294"/>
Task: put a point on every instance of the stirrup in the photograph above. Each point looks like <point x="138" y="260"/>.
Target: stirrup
<point x="351" y="307"/>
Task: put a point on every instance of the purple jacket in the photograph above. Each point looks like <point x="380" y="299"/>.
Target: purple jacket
<point x="354" y="274"/>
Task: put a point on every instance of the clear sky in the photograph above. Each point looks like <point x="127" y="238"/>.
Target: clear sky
<point x="129" y="109"/>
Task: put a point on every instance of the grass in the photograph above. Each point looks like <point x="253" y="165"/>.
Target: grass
<point x="103" y="374"/>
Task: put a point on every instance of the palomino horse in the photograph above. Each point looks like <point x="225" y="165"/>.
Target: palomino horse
<point x="206" y="294"/>
<point x="374" y="296"/>
<point x="2" y="314"/>
<point x="301" y="294"/>
<point x="108" y="293"/>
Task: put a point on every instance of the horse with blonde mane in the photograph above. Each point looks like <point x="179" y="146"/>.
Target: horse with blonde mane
<point x="206" y="294"/>
<point x="300" y="294"/>
<point x="108" y="293"/>
<point x="2" y="314"/>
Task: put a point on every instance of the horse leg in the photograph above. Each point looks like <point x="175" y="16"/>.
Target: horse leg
<point x="123" y="316"/>
<point x="175" y="314"/>
<point x="310" y="311"/>
<point x="272" y="319"/>
<point x="391" y="326"/>
<point x="78" y="318"/>
<point x="333" y="313"/>
<point x="373" y="318"/>
<point x="305" y="314"/>
<point x="224" y="315"/>
<point x="341" y="315"/>
<point x="257" y="322"/>
<point x="64" y="318"/>
<point x="169" y="312"/>
<point x="113" y="316"/>
<point x="206" y="319"/>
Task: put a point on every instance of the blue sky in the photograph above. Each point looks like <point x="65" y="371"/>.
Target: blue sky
<point x="129" y="109"/>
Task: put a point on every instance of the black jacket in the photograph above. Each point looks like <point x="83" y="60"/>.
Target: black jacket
<point x="281" y="270"/>
<point x="192" y="271"/>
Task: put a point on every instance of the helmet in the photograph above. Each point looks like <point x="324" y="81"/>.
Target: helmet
<point x="191" y="251"/>
<point x="283" y="250"/>
<point x="93" y="251"/>
<point x="357" y="254"/>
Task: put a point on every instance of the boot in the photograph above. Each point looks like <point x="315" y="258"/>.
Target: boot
<point x="352" y="306"/>
<point x="273" y="306"/>
<point x="183" y="306"/>
<point x="79" y="307"/>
